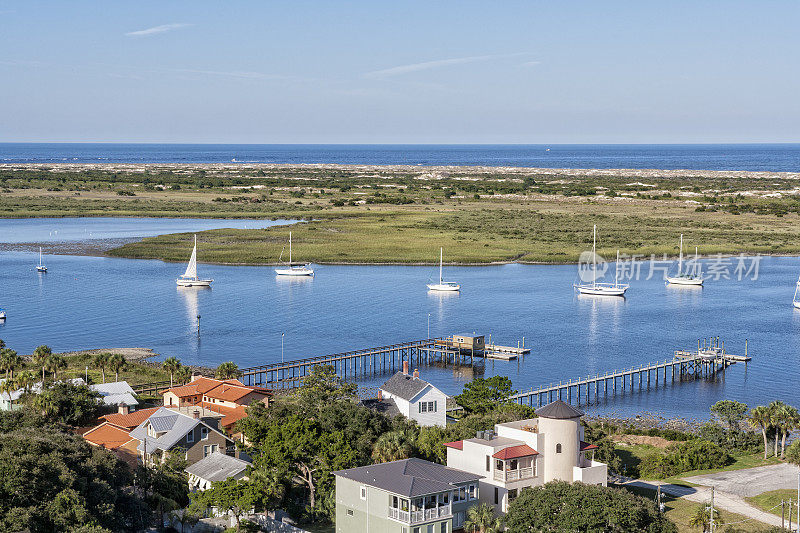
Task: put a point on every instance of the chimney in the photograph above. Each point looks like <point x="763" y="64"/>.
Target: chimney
<point x="380" y="394"/>
<point x="123" y="409"/>
<point x="195" y="375"/>
<point x="196" y="414"/>
<point x="405" y="367"/>
<point x="416" y="373"/>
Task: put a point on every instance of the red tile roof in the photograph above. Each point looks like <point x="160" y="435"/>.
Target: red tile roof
<point x="108" y="436"/>
<point x="586" y="446"/>
<point x="230" y="390"/>
<point x="514" y="452"/>
<point x="458" y="444"/>
<point x="131" y="420"/>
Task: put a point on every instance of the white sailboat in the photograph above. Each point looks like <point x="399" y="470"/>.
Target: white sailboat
<point x="601" y="289"/>
<point x="297" y="270"/>
<point x="795" y="300"/>
<point x="681" y="278"/>
<point x="40" y="267"/>
<point x="189" y="278"/>
<point x="2" y="314"/>
<point x="443" y="285"/>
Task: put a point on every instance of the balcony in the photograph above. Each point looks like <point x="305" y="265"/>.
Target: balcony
<point x="423" y="515"/>
<point x="513" y="475"/>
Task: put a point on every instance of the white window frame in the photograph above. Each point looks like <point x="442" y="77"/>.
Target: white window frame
<point x="363" y="492"/>
<point x="204" y="432"/>
<point x="190" y="436"/>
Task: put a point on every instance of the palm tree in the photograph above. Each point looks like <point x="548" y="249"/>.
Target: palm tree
<point x="183" y="375"/>
<point x="9" y="386"/>
<point x="702" y="517"/>
<point x="171" y="365"/>
<point x="45" y="404"/>
<point x="391" y="446"/>
<point x="25" y="380"/>
<point x="776" y="414"/>
<point x="54" y="363"/>
<point x="481" y="519"/>
<point x="101" y="361"/>
<point x="9" y="361"/>
<point x="228" y="370"/>
<point x="117" y="363"/>
<point x="760" y="419"/>
<point x="790" y="420"/>
<point x="184" y="517"/>
<point x="40" y="355"/>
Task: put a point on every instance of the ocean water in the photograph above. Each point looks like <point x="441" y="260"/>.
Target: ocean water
<point x="752" y="157"/>
<point x="94" y="302"/>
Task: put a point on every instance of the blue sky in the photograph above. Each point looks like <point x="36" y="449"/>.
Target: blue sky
<point x="400" y="72"/>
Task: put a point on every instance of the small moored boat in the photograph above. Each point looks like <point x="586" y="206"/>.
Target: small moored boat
<point x="449" y="286"/>
<point x="294" y="270"/>
<point x="189" y="278"/>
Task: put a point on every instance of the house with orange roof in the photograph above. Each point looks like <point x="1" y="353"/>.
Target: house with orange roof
<point x="229" y="393"/>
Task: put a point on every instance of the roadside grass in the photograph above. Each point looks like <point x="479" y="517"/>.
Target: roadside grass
<point x="740" y="463"/>
<point x="770" y="501"/>
<point x="680" y="511"/>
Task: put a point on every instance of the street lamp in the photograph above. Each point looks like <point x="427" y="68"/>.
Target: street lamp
<point x="282" y="334"/>
<point x="429" y="325"/>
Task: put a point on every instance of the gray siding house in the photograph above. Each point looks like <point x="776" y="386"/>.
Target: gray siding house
<point x="415" y="398"/>
<point x="408" y="496"/>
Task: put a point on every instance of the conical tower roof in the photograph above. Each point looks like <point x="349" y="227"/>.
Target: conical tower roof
<point x="558" y="410"/>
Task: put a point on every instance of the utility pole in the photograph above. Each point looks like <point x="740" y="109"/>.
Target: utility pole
<point x="783" y="515"/>
<point x="712" y="509"/>
<point x="429" y="325"/>
<point x="198" y="324"/>
<point x="282" y="334"/>
<point x="790" y="514"/>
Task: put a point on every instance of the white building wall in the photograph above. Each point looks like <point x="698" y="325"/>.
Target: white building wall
<point x="428" y="418"/>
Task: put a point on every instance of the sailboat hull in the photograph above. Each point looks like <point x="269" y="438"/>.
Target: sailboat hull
<point x="796" y="304"/>
<point x="685" y="280"/>
<point x="602" y="290"/>
<point x="299" y="271"/>
<point x="41" y="269"/>
<point x="445" y="287"/>
<point x="193" y="282"/>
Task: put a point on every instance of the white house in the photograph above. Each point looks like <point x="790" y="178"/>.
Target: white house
<point x="115" y="393"/>
<point x="415" y="398"/>
<point x="528" y="453"/>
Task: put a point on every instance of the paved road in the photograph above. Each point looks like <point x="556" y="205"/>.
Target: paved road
<point x="751" y="481"/>
<point x="724" y="500"/>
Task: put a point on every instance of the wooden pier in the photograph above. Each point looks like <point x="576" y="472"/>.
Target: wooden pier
<point x="684" y="365"/>
<point x="359" y="363"/>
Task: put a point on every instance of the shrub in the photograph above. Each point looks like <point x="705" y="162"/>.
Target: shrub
<point x="691" y="455"/>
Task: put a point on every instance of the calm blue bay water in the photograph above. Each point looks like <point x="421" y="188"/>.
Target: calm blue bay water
<point x="86" y="302"/>
<point x="754" y="157"/>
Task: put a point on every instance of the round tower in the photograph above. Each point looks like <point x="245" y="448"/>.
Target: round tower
<point x="559" y="422"/>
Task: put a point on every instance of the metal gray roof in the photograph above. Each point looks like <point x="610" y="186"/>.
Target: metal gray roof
<point x="558" y="410"/>
<point x="404" y="386"/>
<point x="217" y="467"/>
<point x="179" y="425"/>
<point x="409" y="477"/>
<point x="163" y="423"/>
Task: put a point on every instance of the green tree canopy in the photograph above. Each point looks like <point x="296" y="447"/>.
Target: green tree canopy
<point x="731" y="413"/>
<point x="227" y="370"/>
<point x="482" y="395"/>
<point x="561" y="506"/>
<point x="66" y="403"/>
<point x="52" y="480"/>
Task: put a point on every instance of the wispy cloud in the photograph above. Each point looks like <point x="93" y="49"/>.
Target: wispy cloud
<point x="430" y="65"/>
<point x="157" y="29"/>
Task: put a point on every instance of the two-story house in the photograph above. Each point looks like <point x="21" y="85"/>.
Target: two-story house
<point x="527" y="453"/>
<point x="229" y="393"/>
<point x="170" y="431"/>
<point x="414" y="398"/>
<point x="408" y="496"/>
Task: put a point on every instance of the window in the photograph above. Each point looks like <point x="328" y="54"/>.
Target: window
<point x="414" y="530"/>
<point x="349" y="512"/>
<point x="513" y="465"/>
<point x="206" y="451"/>
<point x="203" y="433"/>
<point x="430" y="528"/>
<point x="496" y="495"/>
<point x="499" y="465"/>
<point x="443" y="527"/>
<point x="488" y="463"/>
<point x="512" y="494"/>
<point x="423" y="407"/>
<point x="190" y="436"/>
<point x="462" y="493"/>
<point x="363" y="493"/>
<point x="427" y="407"/>
<point x="458" y="519"/>
<point x="472" y="492"/>
<point x="558" y="448"/>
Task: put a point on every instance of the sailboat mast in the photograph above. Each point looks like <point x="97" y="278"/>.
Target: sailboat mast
<point x="680" y="257"/>
<point x="594" y="256"/>
<point x="616" y="271"/>
<point x="290" y="248"/>
<point x="441" y="257"/>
